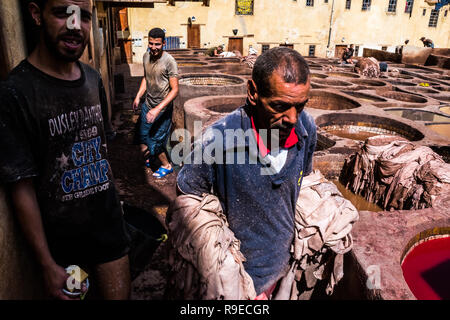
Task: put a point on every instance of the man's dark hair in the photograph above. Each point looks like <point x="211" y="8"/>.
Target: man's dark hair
<point x="41" y="3"/>
<point x="290" y="64"/>
<point x="157" y="33"/>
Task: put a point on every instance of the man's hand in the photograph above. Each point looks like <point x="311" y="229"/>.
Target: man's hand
<point x="55" y="278"/>
<point x="152" y="114"/>
<point x="136" y="103"/>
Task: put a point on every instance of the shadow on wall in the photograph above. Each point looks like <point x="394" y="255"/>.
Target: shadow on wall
<point x="20" y="274"/>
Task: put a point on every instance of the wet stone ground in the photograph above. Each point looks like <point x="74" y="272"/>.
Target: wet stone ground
<point x="138" y="188"/>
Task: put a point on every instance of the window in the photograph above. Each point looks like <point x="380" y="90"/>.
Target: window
<point x="366" y="5"/>
<point x="265" y="47"/>
<point x="312" y="50"/>
<point x="244" y="7"/>
<point x="356" y="51"/>
<point x="348" y="4"/>
<point x="409" y="6"/>
<point x="445" y="13"/>
<point x="310" y="3"/>
<point x="326" y="1"/>
<point x="424" y="12"/>
<point x="392" y="6"/>
<point x="433" y="18"/>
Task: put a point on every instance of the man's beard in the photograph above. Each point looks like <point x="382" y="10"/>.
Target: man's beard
<point x="64" y="55"/>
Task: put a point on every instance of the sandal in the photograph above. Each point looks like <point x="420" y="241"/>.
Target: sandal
<point x="162" y="172"/>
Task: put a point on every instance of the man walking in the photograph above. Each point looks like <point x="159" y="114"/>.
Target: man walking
<point x="52" y="119"/>
<point x="160" y="83"/>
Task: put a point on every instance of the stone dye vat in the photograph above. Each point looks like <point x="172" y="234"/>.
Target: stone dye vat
<point x="367" y="83"/>
<point x="327" y="100"/>
<point x="331" y="82"/>
<point x="318" y="75"/>
<point x="190" y="63"/>
<point x="201" y="84"/>
<point x="441" y="128"/>
<point x="399" y="76"/>
<point x="420" y="90"/>
<point x="419" y="115"/>
<point x="196" y="67"/>
<point x="362" y="126"/>
<point x="343" y="74"/>
<point x="223" y="60"/>
<point x="442" y="88"/>
<point x="445" y="109"/>
<point x="426" y="265"/>
<point x="210" y="109"/>
<point x="444" y="98"/>
<point x="402" y="96"/>
<point x="360" y="96"/>
<point x="400" y="83"/>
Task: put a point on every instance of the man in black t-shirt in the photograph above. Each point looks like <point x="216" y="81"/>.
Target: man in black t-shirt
<point x="52" y="132"/>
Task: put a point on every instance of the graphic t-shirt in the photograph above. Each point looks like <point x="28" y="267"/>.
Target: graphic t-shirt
<point x="53" y="130"/>
<point x="157" y="74"/>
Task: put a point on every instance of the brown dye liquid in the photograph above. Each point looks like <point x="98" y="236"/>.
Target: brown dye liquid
<point x="360" y="135"/>
<point x="445" y="110"/>
<point x="442" y="129"/>
<point x="359" y="202"/>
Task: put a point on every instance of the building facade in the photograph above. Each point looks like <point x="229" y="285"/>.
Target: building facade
<point x="312" y="27"/>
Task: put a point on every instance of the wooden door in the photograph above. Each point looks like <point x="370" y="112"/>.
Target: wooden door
<point x="339" y="50"/>
<point x="193" y="33"/>
<point x="125" y="42"/>
<point x="291" y="46"/>
<point x="236" y="44"/>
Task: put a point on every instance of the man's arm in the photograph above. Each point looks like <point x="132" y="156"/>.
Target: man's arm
<point x="29" y="216"/>
<point x="153" y="113"/>
<point x="142" y="89"/>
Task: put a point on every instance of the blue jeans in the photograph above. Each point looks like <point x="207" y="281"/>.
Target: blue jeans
<point x="155" y="134"/>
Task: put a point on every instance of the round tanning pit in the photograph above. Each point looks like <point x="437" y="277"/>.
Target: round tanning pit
<point x="445" y="109"/>
<point x="185" y="56"/>
<point x="210" y="109"/>
<point x="441" y="97"/>
<point x="325" y="100"/>
<point x="442" y="88"/>
<point x="191" y="64"/>
<point x="422" y="90"/>
<point x="331" y="82"/>
<point x="364" y="96"/>
<point x="318" y="75"/>
<point x="401" y="96"/>
<point x="401" y="83"/>
<point x="343" y="74"/>
<point x="223" y="60"/>
<point x="400" y="76"/>
<point x="426" y="265"/>
<point x="368" y="83"/>
<point x="441" y="128"/>
<point x="418" y="115"/>
<point x="323" y="142"/>
<point x="362" y="126"/>
<point x="210" y="80"/>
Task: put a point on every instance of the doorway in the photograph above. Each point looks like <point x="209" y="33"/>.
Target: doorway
<point x="236" y="43"/>
<point x="339" y="51"/>
<point x="193" y="33"/>
<point x="123" y="36"/>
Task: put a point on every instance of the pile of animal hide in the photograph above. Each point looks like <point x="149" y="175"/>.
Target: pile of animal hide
<point x="396" y="174"/>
